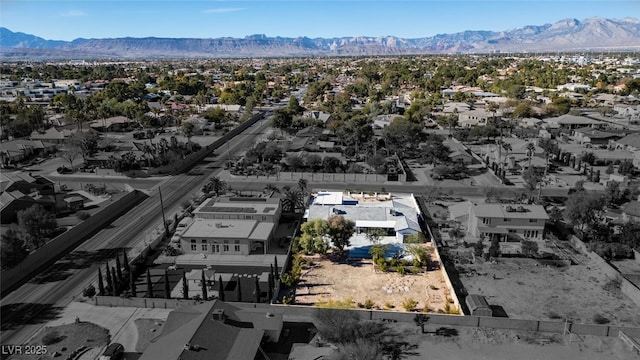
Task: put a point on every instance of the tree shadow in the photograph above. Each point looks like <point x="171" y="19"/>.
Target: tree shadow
<point x="17" y="314"/>
<point x="76" y="260"/>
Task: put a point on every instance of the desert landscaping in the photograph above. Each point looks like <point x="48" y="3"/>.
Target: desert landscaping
<point x="359" y="281"/>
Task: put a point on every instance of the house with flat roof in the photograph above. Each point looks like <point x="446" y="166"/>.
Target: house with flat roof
<point x="259" y="209"/>
<point x="397" y="214"/>
<point x="232" y="226"/>
<point x="214" y="330"/>
<point x="223" y="236"/>
<point x="501" y="220"/>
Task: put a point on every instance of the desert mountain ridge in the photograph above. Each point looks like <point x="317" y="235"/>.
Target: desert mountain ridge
<point x="568" y="35"/>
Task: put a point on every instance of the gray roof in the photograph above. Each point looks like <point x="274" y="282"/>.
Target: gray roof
<point x="503" y="211"/>
<point x="406" y="215"/>
<point x="235" y="339"/>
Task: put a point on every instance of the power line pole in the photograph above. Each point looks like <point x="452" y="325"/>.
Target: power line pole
<point x="164" y="220"/>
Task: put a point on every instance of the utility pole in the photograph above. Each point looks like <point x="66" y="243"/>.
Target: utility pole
<point x="164" y="220"/>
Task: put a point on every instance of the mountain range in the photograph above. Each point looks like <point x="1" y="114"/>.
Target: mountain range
<point x="569" y="35"/>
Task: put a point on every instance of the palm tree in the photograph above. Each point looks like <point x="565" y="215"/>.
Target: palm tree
<point x="215" y="184"/>
<point x="292" y="201"/>
<point x="531" y="149"/>
<point x="507" y="147"/>
<point x="302" y="185"/>
<point x="270" y="188"/>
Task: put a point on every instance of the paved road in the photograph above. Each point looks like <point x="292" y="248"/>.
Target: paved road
<point x="28" y="308"/>
<point x="250" y="184"/>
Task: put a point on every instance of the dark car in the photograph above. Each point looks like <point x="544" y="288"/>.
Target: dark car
<point x="114" y="351"/>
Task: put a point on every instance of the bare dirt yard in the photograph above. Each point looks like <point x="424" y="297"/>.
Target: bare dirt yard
<point x="527" y="289"/>
<point x="84" y="339"/>
<point x="494" y="344"/>
<point x="359" y="281"/>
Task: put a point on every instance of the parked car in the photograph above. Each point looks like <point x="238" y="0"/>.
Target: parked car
<point x="114" y="351"/>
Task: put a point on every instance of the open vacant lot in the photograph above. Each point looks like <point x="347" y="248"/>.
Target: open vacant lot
<point x="526" y="289"/>
<point x="494" y="344"/>
<point x="360" y="281"/>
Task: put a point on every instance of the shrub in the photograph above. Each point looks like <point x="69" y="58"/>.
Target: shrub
<point x="400" y="269"/>
<point x="453" y="310"/>
<point x="288" y="299"/>
<point x="368" y="304"/>
<point x="83" y="215"/>
<point x="415" y="270"/>
<point x="433" y="287"/>
<point x="347" y="303"/>
<point x="287" y="280"/>
<point x="382" y="264"/>
<point x="51" y="337"/>
<point x="554" y="315"/>
<point x="89" y="292"/>
<point x="599" y="319"/>
<point x="388" y="305"/>
<point x="409" y="304"/>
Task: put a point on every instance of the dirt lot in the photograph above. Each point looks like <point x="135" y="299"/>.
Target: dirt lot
<point x="359" y="280"/>
<point x="527" y="289"/>
<point x="65" y="339"/>
<point x="493" y="344"/>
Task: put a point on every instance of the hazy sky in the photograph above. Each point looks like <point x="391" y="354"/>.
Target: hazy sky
<point x="68" y="20"/>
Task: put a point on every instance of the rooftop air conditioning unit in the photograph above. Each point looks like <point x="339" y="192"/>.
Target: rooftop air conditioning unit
<point x="218" y="314"/>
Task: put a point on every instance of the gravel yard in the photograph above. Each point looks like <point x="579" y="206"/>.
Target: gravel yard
<point x="360" y="281"/>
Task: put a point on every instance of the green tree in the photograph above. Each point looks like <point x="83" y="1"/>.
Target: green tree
<point x="149" y="293"/>
<point x="415" y="238"/>
<point x="13" y="249"/>
<point x="292" y="201"/>
<point x="630" y="235"/>
<point x="584" y="208"/>
<point x="293" y="107"/>
<point x="281" y="119"/>
<point x="626" y="168"/>
<point x="614" y="194"/>
<point x="312" y="238"/>
<point x="456" y="234"/>
<point x="532" y="178"/>
<point x="215" y="185"/>
<point x="377" y="251"/>
<point x="36" y="223"/>
<point x="375" y="235"/>
<point x="402" y="134"/>
<point x="340" y="232"/>
<point x="523" y="110"/>
<point x="185" y="286"/>
<point x="588" y="157"/>
<point x="167" y="285"/>
<point x="529" y="248"/>
<point x="220" y="288"/>
<point x="478" y="248"/>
